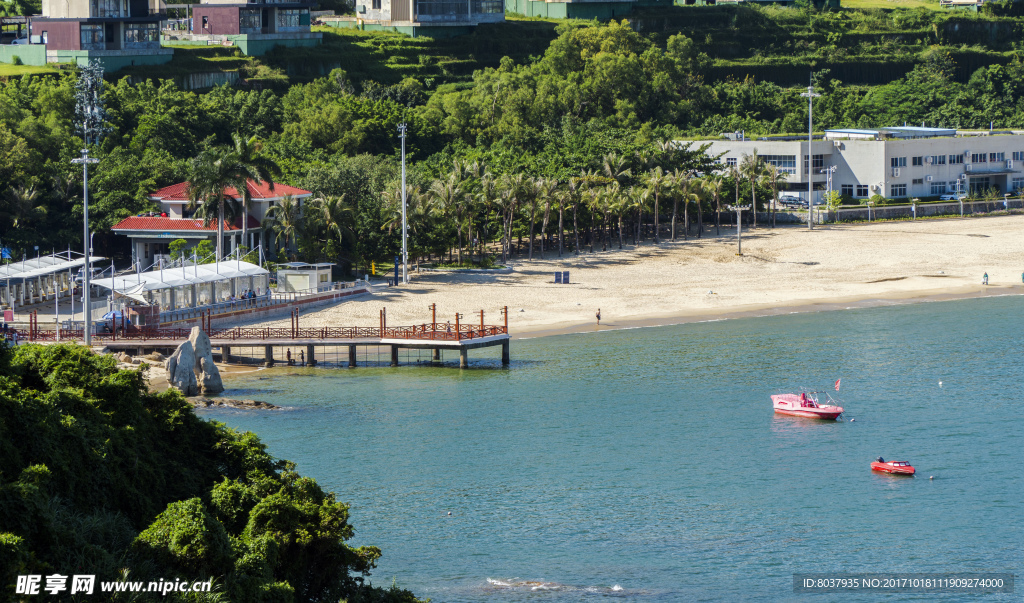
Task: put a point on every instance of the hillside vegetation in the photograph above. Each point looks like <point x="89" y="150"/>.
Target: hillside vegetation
<point x="99" y="476"/>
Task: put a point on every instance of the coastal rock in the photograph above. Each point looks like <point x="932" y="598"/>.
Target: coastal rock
<point x="204" y="402"/>
<point x="207" y="374"/>
<point x="157" y="356"/>
<point x="125" y="358"/>
<point x="180" y="370"/>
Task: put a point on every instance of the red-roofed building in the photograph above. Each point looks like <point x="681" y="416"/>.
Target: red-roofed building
<point x="151" y="233"/>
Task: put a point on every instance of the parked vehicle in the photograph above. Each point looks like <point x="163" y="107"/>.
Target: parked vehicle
<point x="791" y="201"/>
<point x="952" y="197"/>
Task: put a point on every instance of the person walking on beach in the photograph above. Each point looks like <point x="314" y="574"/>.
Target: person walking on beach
<point x="302" y="357"/>
<point x="599" y="316"/>
<point x="288" y="356"/>
<point x="984" y="279"/>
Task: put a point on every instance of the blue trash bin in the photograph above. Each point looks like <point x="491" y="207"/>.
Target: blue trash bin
<point x="558" y="278"/>
<point x="565" y="277"/>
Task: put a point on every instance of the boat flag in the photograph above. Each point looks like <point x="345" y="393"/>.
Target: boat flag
<point x="837" y="384"/>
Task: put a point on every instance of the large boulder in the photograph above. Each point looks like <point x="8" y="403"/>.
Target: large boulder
<point x="207" y="374"/>
<point x="181" y="370"/>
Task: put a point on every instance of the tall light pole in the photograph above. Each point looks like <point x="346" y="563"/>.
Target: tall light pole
<point x="90" y="117"/>
<point x="811" y="95"/>
<point x="405" y="246"/>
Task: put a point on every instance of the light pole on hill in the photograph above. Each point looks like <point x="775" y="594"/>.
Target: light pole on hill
<point x="811" y="95"/>
<point x="405" y="247"/>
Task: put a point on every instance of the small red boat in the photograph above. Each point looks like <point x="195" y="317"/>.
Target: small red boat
<point x="805" y="404"/>
<point x="893" y="467"/>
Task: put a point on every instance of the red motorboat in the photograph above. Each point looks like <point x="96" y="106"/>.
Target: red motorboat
<point x="805" y="404"/>
<point x="893" y="467"/>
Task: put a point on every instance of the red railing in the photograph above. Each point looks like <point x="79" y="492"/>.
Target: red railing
<point x="122" y="329"/>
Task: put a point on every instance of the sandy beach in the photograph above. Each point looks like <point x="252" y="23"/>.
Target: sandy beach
<point x="781" y="270"/>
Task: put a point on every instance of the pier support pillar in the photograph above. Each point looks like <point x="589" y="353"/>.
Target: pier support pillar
<point x="394" y="355"/>
<point x="225" y="353"/>
<point x="268" y="356"/>
<point x="504" y="352"/>
<point x="436" y="356"/>
<point x="310" y="358"/>
<point x="463" y="358"/>
<point x="352" y="356"/>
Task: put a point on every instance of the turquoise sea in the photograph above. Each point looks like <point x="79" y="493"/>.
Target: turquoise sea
<point x="647" y="464"/>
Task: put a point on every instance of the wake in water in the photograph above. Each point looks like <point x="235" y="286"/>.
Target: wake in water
<point x="515" y="584"/>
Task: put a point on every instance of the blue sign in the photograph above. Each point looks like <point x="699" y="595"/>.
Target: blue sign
<point x="5" y="254"/>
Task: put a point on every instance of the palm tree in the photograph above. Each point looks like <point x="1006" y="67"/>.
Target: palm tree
<point x="679" y="182"/>
<point x="547" y="190"/>
<point x="20" y="206"/>
<point x="250" y="165"/>
<point x="776" y="176"/>
<point x="658" y="181"/>
<point x="487" y="192"/>
<point x="753" y="169"/>
<point x="448" y="198"/>
<point x="284" y="220"/>
<point x="212" y="172"/>
<point x="713" y="186"/>
<point x="336" y="215"/>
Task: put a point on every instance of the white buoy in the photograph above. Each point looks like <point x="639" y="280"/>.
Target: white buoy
<point x="852" y="420"/>
<point x="931" y="477"/>
<point x="449" y="513"/>
<point x="940" y="384"/>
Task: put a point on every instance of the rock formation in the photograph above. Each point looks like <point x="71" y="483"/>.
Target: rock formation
<point x="206" y="371"/>
<point x="181" y="370"/>
<point x="191" y="369"/>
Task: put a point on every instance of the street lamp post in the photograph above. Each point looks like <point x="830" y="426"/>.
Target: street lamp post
<point x="739" y="225"/>
<point x="405" y="247"/>
<point x="85" y="160"/>
<point x="811" y="95"/>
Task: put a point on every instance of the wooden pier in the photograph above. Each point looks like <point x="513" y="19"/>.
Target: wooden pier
<point x="434" y="336"/>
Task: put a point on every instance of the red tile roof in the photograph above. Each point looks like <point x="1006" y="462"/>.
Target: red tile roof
<point x="258" y="192"/>
<point x="176" y="224"/>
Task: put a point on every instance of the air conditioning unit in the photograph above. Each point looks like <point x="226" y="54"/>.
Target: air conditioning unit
<point x="838" y="144"/>
<point x="362" y="9"/>
<point x="1009" y="164"/>
<point x="962" y="177"/>
<point x="967" y="155"/>
<point x="896" y="172"/>
<point x="927" y="179"/>
<point x="967" y="166"/>
<point x="927" y="159"/>
<point x="876" y="187"/>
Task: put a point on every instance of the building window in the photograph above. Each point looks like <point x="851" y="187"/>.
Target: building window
<point x="979" y="158"/>
<point x="994" y="157"/>
<point x="915" y="181"/>
<point x="980" y="185"/>
<point x="819" y="162"/>
<point x="729" y="161"/>
<point x="106" y="9"/>
<point x="897" y="162"/>
<point x="846" y="189"/>
<point x="488" y="6"/>
<point x="250" y="20"/>
<point x="206" y="25"/>
<point x="785" y="163"/>
<point x="917" y="161"/>
<point x="92" y="37"/>
<point x="956" y="159"/>
<point x="1018" y="184"/>
<point x="442" y="8"/>
<point x="897" y="190"/>
<point x="145" y="247"/>
<point x="141" y="35"/>
<point x="290" y="18"/>
<point x="1018" y="155"/>
<point x="938" y="160"/>
<point x="862" y="190"/>
<point x="938" y="188"/>
<point x="375" y="4"/>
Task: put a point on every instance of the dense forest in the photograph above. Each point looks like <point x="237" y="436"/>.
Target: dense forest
<point x="98" y="476"/>
<point x="590" y="111"/>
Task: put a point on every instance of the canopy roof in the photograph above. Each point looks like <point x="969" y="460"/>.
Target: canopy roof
<point x="167" y="278"/>
<point x="43" y="266"/>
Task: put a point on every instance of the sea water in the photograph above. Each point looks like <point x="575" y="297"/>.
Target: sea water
<point x="647" y="464"/>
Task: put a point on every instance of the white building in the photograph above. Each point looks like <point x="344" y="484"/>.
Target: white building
<point x="892" y="162"/>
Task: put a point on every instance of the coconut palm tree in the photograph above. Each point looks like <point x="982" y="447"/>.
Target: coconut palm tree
<point x="776" y="177"/>
<point x="712" y="186"/>
<point x="448" y="198"/>
<point x="547" y="190"/>
<point x="284" y="220"/>
<point x="658" y="182"/>
<point x="250" y="165"/>
<point x="21" y="206"/>
<point x="337" y="216"/>
<point x="753" y="169"/>
<point x="211" y="173"/>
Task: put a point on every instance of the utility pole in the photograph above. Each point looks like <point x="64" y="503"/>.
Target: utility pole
<point x="739" y="226"/>
<point x="405" y="245"/>
<point x="811" y="95"/>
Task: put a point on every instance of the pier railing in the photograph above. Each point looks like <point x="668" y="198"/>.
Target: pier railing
<point x="121" y="330"/>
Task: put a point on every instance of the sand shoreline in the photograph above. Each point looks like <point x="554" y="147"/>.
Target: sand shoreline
<point x="783" y="270"/>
